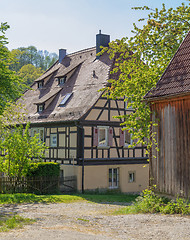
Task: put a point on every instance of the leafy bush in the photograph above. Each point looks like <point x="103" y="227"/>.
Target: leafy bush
<point x="179" y="207"/>
<point x="149" y="202"/>
<point x="44" y="169"/>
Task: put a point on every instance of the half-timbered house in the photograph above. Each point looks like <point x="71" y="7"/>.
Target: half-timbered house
<point x="170" y="105"/>
<point x="76" y="122"/>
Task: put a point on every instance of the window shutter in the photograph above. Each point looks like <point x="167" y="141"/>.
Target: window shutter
<point x="95" y="137"/>
<point x="110" y="137"/>
<point x="121" y="137"/>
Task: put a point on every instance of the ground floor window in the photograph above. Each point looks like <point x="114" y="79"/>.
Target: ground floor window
<point x="113" y="178"/>
<point x="131" y="177"/>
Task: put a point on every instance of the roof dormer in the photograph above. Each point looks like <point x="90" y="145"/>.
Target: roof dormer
<point x="40" y="84"/>
<point x="61" y="80"/>
<point x="44" y="102"/>
<point x="40" y="107"/>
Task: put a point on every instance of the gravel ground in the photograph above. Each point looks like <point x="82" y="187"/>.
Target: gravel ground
<point x="93" y="221"/>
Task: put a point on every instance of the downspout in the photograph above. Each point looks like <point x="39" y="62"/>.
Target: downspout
<point x="80" y="150"/>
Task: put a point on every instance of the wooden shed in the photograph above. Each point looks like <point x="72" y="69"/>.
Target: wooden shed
<point x="170" y="105"/>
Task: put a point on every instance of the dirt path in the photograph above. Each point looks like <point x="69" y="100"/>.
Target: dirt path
<point x="92" y="221"/>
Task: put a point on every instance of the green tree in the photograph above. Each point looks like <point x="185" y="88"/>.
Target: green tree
<point x="29" y="73"/>
<point x="142" y="59"/>
<point x="30" y="55"/>
<point x="18" y="147"/>
<point x="11" y="86"/>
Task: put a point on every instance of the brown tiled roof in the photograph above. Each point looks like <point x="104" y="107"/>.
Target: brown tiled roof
<point x="176" y="78"/>
<point x="65" y="70"/>
<point x="82" y="83"/>
<point x="50" y="71"/>
<point x="50" y="94"/>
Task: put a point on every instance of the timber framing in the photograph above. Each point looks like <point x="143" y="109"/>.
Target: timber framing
<point x="79" y="124"/>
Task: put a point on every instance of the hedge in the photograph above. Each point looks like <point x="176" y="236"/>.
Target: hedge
<point x="44" y="169"/>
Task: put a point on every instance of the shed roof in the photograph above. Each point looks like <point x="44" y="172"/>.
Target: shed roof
<point x="176" y="78"/>
<point x="85" y="76"/>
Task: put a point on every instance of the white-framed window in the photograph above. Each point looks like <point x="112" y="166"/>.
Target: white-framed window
<point x="39" y="131"/>
<point x="40" y="84"/>
<point x="127" y="138"/>
<point x="131" y="177"/>
<point x="40" y="108"/>
<point x="103" y="136"/>
<point x="62" y="80"/>
<point x="113" y="177"/>
<point x="53" y="140"/>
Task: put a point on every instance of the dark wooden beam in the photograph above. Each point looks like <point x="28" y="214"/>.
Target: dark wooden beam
<point x="99" y="123"/>
<point x="112" y="161"/>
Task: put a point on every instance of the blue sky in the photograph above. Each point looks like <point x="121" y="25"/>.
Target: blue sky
<point x="70" y="24"/>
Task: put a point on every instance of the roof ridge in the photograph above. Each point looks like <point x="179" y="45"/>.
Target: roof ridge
<point x="81" y="51"/>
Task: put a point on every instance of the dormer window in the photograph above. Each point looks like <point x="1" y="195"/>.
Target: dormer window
<point x="40" y="84"/>
<point x="62" y="80"/>
<point x="40" y="107"/>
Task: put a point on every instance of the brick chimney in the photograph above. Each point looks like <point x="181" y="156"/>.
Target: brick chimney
<point x="62" y="54"/>
<point x="101" y="40"/>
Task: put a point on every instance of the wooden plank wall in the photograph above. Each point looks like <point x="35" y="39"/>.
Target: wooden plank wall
<point x="171" y="168"/>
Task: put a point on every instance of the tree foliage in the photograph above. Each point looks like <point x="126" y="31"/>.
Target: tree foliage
<point x="142" y="59"/>
<point x="19" y="150"/>
<point x="11" y="86"/>
<point x="30" y="63"/>
<point x="30" y="55"/>
<point x="29" y="73"/>
<point x="18" y="147"/>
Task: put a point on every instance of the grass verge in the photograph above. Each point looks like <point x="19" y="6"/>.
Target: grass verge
<point x="11" y="222"/>
<point x="32" y="198"/>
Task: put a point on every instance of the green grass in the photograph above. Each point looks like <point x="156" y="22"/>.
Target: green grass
<point x="32" y="198"/>
<point x="109" y="198"/>
<point x="11" y="222"/>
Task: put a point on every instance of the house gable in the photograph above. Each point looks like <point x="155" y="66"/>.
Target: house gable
<point x="175" y="80"/>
